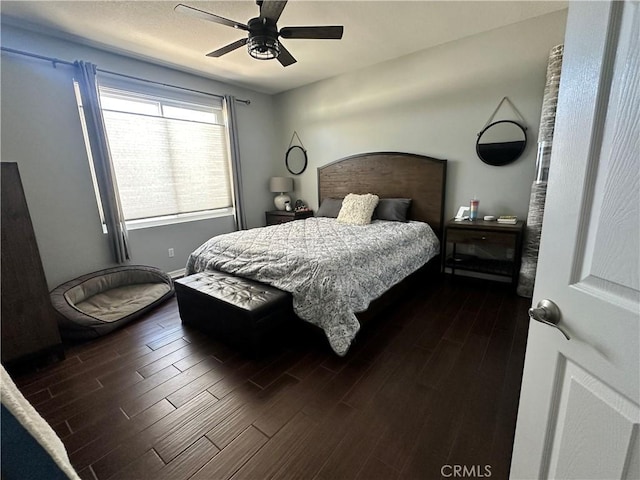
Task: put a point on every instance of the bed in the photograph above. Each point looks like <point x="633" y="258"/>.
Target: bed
<point x="332" y="270"/>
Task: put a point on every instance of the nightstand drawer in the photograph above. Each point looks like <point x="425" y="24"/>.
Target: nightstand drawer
<point x="276" y="217"/>
<point x="479" y="237"/>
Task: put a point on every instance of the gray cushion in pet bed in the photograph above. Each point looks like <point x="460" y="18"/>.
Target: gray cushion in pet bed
<point x="99" y="302"/>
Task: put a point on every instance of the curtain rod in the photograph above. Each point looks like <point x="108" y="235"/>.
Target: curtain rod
<point x="56" y="61"/>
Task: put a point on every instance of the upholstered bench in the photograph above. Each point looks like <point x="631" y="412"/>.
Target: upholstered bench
<point x="244" y="313"/>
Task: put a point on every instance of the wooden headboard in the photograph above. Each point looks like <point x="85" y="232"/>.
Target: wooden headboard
<point x="390" y="175"/>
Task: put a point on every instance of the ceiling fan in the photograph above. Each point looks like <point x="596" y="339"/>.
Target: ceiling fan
<point x="262" y="41"/>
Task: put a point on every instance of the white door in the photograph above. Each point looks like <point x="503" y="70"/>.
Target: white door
<point x="578" y="416"/>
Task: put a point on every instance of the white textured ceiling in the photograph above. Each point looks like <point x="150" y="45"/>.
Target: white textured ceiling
<point x="374" y="31"/>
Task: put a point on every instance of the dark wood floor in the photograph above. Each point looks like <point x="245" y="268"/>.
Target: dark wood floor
<point x="433" y="383"/>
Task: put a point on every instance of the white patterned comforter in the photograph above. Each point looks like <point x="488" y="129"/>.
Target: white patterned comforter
<point x="331" y="269"/>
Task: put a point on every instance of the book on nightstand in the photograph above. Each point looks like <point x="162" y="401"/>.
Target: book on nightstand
<point x="508" y="219"/>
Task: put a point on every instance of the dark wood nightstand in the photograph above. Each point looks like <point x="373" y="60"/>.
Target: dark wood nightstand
<point x="275" y="217"/>
<point x="480" y="233"/>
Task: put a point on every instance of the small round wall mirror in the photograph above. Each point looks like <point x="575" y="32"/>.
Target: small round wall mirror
<point x="296" y="160"/>
<point x="501" y="143"/>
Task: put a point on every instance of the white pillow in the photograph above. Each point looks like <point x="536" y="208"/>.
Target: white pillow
<point x="357" y="209"/>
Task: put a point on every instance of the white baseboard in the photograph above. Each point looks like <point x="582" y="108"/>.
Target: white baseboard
<point x="177" y="273"/>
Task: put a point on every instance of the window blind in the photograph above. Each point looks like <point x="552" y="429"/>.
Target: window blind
<point x="170" y="157"/>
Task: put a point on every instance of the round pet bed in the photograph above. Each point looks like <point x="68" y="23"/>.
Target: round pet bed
<point x="97" y="303"/>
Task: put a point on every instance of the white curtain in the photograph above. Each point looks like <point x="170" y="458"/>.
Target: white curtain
<point x="105" y="176"/>
<point x="234" y="150"/>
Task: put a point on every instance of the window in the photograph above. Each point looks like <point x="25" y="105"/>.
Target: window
<point x="170" y="156"/>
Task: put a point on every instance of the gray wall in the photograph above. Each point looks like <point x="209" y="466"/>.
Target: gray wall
<point x="41" y="132"/>
<point x="434" y="103"/>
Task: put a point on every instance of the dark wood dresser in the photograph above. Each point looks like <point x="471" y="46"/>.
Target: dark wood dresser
<point x="29" y="325"/>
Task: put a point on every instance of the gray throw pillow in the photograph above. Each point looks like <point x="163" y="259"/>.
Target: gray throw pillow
<point x="394" y="209"/>
<point x="330" y="207"/>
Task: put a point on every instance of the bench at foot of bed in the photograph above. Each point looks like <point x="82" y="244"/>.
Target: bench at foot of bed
<point x="243" y="313"/>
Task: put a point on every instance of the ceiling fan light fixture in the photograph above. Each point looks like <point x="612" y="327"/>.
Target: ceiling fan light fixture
<point x="263" y="34"/>
<point x="263" y="47"/>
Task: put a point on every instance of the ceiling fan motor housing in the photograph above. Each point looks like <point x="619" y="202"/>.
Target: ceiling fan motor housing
<point x="263" y="38"/>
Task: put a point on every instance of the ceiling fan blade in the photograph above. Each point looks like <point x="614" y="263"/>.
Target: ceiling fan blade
<point x="209" y="16"/>
<point x="272" y="9"/>
<point x="328" y="32"/>
<point x="229" y="48"/>
<point x="285" y="58"/>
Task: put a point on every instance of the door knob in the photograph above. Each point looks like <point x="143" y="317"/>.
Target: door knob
<point x="548" y="313"/>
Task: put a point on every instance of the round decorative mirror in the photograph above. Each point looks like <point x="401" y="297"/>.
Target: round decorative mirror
<point x="501" y="143"/>
<point x="296" y="160"/>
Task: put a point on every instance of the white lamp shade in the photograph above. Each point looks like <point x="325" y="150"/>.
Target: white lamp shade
<point x="281" y="184"/>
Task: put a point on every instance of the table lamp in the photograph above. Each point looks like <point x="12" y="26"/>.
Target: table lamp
<point x="281" y="185"/>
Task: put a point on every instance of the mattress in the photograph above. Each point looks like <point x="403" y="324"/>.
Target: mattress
<point x="332" y="270"/>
